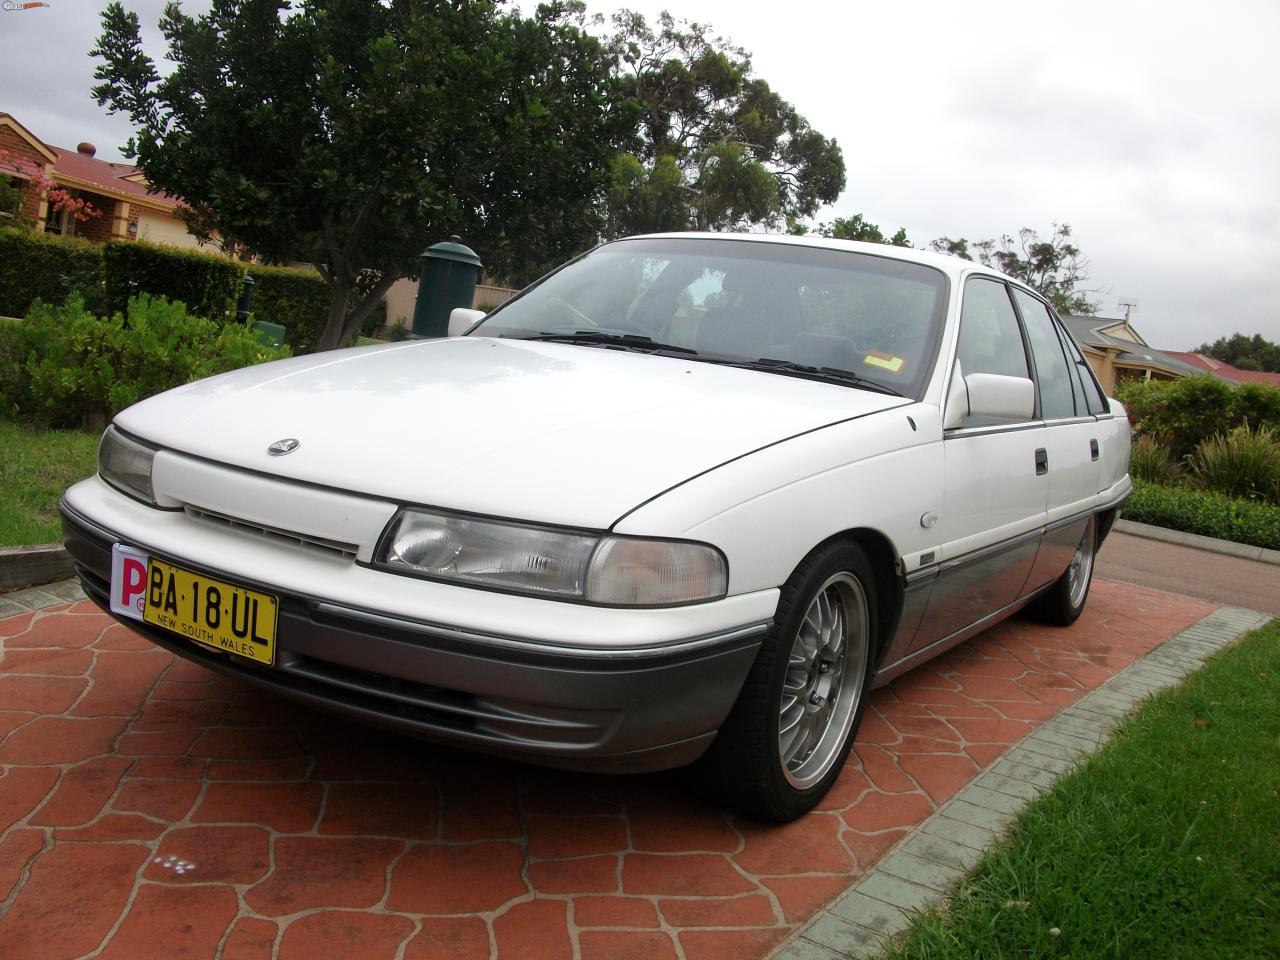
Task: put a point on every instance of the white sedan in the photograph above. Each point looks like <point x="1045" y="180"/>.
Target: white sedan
<point x="687" y="499"/>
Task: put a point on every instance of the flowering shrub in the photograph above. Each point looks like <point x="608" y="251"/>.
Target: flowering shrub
<point x="59" y="197"/>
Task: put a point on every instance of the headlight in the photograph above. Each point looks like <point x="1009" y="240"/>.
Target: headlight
<point x="126" y="465"/>
<point x="540" y="560"/>
<point x="506" y="556"/>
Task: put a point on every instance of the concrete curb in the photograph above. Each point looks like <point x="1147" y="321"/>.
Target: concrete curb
<point x="1227" y="547"/>
<point x="39" y="598"/>
<point x="29" y="566"/>
<point x="918" y="873"/>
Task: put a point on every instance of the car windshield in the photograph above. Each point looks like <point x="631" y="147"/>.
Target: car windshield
<point x="807" y="310"/>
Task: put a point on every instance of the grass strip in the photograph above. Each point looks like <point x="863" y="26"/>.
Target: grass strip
<point x="38" y="465"/>
<point x="1164" y="845"/>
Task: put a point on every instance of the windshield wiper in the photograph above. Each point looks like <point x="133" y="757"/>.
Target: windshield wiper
<point x="628" y="341"/>
<point x="811" y="372"/>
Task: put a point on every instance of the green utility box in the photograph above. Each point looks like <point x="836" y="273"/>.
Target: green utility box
<point x="270" y="334"/>
<point x="450" y="272"/>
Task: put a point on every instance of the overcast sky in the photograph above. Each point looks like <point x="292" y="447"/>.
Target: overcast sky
<point x="1153" y="129"/>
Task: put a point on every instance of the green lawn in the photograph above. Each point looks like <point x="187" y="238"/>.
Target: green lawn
<point x="37" y="466"/>
<point x="1165" y="845"/>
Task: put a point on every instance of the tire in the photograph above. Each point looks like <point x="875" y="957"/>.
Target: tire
<point x="1062" y="604"/>
<point x="786" y="739"/>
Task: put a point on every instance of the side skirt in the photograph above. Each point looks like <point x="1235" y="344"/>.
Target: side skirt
<point x="889" y="672"/>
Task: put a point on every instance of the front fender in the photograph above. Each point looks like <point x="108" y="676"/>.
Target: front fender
<point x="766" y="511"/>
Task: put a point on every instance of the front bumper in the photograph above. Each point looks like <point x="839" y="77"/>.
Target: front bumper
<point x="579" y="706"/>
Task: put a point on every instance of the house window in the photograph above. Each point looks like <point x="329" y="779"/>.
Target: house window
<point x="61" y="222"/>
<point x="12" y="190"/>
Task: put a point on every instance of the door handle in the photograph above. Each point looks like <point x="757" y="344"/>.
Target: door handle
<point x="1042" y="462"/>
<point x="1093" y="449"/>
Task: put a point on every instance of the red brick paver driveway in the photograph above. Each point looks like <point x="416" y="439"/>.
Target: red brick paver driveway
<point x="149" y="808"/>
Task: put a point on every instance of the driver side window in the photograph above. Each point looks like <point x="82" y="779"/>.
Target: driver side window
<point x="990" y="337"/>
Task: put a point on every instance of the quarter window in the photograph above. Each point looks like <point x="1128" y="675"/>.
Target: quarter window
<point x="1093" y="399"/>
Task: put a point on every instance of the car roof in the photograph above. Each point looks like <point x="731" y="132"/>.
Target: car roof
<point x="952" y="266"/>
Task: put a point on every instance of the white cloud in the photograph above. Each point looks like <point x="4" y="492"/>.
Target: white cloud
<point x="1152" y="128"/>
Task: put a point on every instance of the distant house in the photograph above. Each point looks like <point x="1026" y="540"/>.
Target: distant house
<point x="127" y="210"/>
<point x="1225" y="370"/>
<point x="1118" y="354"/>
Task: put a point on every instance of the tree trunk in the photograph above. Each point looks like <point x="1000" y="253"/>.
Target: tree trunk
<point x="366" y="306"/>
<point x="341" y="326"/>
<point x="331" y="338"/>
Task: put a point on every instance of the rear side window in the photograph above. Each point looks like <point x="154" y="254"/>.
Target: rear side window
<point x="1057" y="384"/>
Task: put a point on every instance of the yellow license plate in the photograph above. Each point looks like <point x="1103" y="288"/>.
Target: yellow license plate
<point x="211" y="612"/>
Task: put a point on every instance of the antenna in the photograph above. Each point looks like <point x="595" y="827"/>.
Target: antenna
<point x="1129" y="304"/>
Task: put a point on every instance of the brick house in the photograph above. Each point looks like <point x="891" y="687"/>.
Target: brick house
<point x="118" y="191"/>
<point x="1118" y="355"/>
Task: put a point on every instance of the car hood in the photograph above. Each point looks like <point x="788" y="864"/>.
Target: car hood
<point x="547" y="432"/>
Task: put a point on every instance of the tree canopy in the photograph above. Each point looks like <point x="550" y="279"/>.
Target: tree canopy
<point x="350" y="134"/>
<point x="1244" y="352"/>
<point x="713" y="146"/>
<point x="858" y="227"/>
<point x="1054" y="266"/>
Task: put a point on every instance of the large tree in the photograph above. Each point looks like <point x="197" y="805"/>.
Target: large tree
<point x="1054" y="266"/>
<point x="350" y="134"/>
<point x="1244" y="352"/>
<point x="714" y="147"/>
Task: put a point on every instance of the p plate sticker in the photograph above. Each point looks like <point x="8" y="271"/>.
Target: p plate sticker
<point x="875" y="358"/>
<point x="128" y="581"/>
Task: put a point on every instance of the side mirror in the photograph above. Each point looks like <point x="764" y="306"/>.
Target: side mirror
<point x="989" y="395"/>
<point x="462" y="319"/>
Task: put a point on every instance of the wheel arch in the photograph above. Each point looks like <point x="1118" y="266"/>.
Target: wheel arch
<point x="885" y="566"/>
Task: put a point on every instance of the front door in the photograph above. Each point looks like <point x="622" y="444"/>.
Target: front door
<point x="996" y="485"/>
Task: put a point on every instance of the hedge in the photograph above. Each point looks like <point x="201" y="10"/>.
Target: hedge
<point x="208" y="284"/>
<point x="38" y="266"/>
<point x="295" y="299"/>
<point x="1181" y="414"/>
<point x="1206" y="513"/>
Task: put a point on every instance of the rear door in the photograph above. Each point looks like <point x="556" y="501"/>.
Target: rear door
<point x="1071" y="440"/>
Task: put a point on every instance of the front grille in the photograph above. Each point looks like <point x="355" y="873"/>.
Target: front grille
<point x="332" y="547"/>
